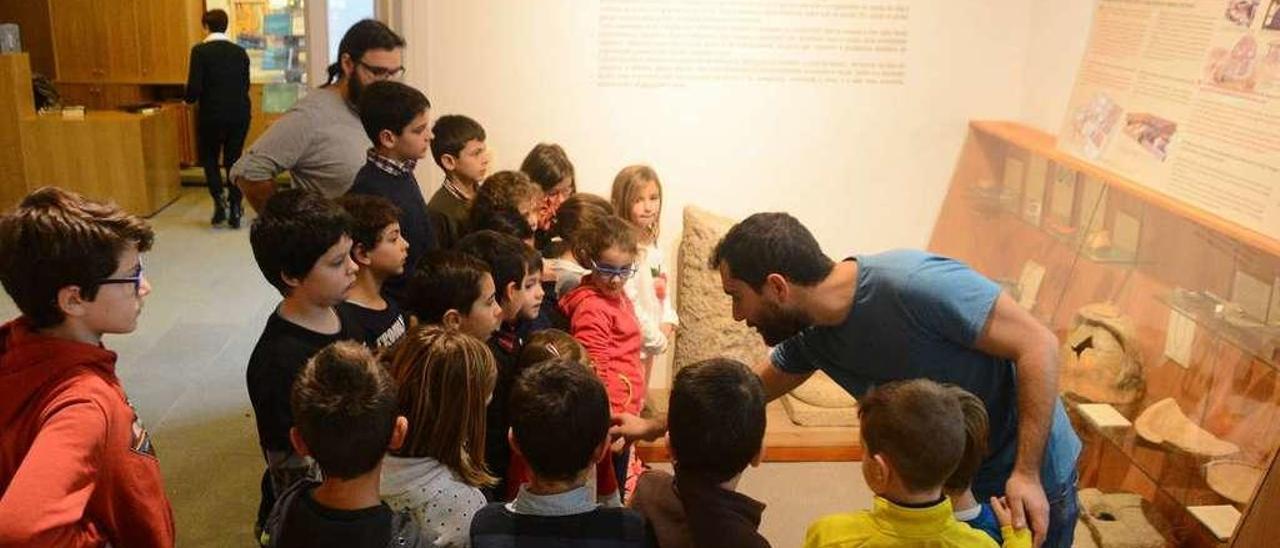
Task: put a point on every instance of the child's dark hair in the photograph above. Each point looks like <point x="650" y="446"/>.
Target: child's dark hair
<point x="57" y="238"/>
<point x="450" y="135"/>
<point x="363" y="36"/>
<point x="716" y="419"/>
<point x="559" y="416"/>
<point x="596" y="238"/>
<point x="508" y="258"/>
<point x="445" y="377"/>
<point x="576" y="213"/>
<point x="503" y="190"/>
<point x="919" y="426"/>
<point x="215" y="20"/>
<point x="344" y="405"/>
<point x="504" y="220"/>
<point x="547" y="164"/>
<point x="975" y="445"/>
<point x="295" y="229"/>
<point x="444" y="280"/>
<point x="390" y="105"/>
<point x="550" y="344"/>
<point x="370" y="215"/>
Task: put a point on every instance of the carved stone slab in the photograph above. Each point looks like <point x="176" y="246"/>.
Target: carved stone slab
<point x="1116" y="520"/>
<point x="1164" y="422"/>
<point x="1235" y="480"/>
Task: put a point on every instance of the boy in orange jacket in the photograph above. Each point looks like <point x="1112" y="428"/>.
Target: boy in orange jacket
<point x="76" y="466"/>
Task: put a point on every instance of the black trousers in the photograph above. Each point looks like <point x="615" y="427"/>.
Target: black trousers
<point x="221" y="140"/>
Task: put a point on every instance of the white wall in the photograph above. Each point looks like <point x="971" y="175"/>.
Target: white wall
<point x="864" y="168"/>
<point x="1059" y="33"/>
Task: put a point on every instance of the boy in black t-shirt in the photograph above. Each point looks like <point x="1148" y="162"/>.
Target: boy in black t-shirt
<point x="302" y="245"/>
<point x="395" y="117"/>
<point x="380" y="252"/>
<point x="516" y="270"/>
<point x="345" y="406"/>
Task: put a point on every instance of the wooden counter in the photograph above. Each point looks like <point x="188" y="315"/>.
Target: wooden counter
<point x="131" y="159"/>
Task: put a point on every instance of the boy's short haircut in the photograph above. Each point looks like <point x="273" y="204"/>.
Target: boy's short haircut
<point x="390" y="105"/>
<point x="503" y="190"/>
<point x="533" y="262"/>
<point x="56" y="238"/>
<point x="450" y="135"/>
<point x="559" y="416"/>
<point x="769" y="243"/>
<point x="444" y="280"/>
<point x="344" y="405"/>
<point x="295" y="229"/>
<point x="507" y="257"/>
<point x="975" y="446"/>
<point x="918" y="426"/>
<point x="370" y="215"/>
<point x="505" y="220"/>
<point x="550" y="344"/>
<point x="598" y="237"/>
<point x="547" y="164"/>
<point x="215" y="20"/>
<point x="716" y="419"/>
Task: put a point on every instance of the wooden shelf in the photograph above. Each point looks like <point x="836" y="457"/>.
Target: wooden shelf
<point x="1042" y="144"/>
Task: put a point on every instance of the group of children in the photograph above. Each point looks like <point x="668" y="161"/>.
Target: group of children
<point x="440" y="372"/>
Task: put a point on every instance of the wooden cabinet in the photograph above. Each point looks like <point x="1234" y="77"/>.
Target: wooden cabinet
<point x="166" y="31"/>
<point x="101" y="96"/>
<point x="124" y="41"/>
<point x="77" y="39"/>
<point x="120" y="55"/>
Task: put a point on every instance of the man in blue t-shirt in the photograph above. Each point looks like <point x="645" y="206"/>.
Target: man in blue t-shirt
<point x="873" y="319"/>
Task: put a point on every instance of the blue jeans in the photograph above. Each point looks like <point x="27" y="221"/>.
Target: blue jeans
<point x="1064" y="510"/>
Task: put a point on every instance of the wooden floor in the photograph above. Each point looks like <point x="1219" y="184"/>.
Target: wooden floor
<point x="784" y="441"/>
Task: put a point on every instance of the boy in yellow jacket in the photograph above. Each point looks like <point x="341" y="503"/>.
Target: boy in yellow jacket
<point x="914" y="436"/>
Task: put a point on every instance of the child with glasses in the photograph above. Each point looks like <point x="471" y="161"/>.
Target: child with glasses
<point x="602" y="318"/>
<point x="76" y="465"/>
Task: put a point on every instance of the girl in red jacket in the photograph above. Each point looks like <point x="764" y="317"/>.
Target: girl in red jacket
<point x="603" y="319"/>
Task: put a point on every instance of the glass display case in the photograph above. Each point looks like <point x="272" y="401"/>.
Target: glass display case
<point x="1168" y="319"/>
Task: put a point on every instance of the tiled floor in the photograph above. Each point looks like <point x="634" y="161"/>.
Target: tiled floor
<point x="184" y="370"/>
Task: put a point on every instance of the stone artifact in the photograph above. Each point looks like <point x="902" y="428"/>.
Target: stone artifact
<point x="707" y="328"/>
<point x="821" y="402"/>
<point x="1164" y="422"/>
<point x="1115" y="520"/>
<point x="1100" y="359"/>
<point x="1234" y="480"/>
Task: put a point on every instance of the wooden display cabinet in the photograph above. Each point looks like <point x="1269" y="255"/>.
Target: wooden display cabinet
<point x="1201" y="293"/>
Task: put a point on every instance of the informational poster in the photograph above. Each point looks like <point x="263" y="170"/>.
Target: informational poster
<point x="1183" y="96"/>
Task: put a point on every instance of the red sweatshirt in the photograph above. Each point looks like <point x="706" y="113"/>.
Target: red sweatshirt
<point x="76" y="466"/>
<point x="606" y="325"/>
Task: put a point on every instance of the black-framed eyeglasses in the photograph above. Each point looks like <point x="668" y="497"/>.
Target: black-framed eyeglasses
<point x="135" y="279"/>
<point x="382" y="73"/>
<point x="609" y="272"/>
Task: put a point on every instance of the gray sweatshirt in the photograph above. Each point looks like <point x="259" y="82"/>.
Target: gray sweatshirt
<point x="319" y="141"/>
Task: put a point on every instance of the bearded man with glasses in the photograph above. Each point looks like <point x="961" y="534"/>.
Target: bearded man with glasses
<point x="320" y="141"/>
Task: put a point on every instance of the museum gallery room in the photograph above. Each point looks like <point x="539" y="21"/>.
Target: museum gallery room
<point x="739" y="273"/>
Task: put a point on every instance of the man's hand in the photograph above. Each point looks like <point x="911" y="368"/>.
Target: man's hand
<point x="632" y="428"/>
<point x="257" y="192"/>
<point x="1027" y="503"/>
